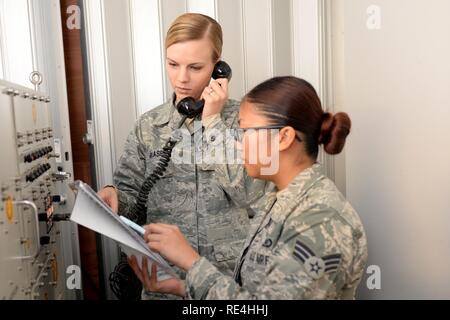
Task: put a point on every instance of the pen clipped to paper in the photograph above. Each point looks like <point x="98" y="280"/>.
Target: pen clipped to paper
<point x="134" y="226"/>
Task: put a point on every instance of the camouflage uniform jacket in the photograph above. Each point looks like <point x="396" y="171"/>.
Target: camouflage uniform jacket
<point x="309" y="245"/>
<point x="207" y="200"/>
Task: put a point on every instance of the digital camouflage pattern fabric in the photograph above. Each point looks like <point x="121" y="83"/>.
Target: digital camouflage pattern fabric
<point x="310" y="244"/>
<point x="207" y="200"/>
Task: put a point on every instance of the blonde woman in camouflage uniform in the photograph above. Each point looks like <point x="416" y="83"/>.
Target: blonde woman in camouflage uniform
<point x="207" y="201"/>
<point x="310" y="242"/>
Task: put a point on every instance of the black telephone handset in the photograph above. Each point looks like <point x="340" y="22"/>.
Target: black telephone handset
<point x="189" y="107"/>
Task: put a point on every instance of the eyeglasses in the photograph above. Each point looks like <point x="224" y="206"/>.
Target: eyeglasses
<point x="239" y="133"/>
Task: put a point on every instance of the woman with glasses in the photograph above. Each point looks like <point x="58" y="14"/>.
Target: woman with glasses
<point x="309" y="242"/>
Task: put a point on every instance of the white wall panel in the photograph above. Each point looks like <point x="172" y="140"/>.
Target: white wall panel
<point x="282" y="38"/>
<point x="100" y="84"/>
<point x="206" y="7"/>
<point x="311" y="42"/>
<point x="170" y="10"/>
<point x="2" y="62"/>
<point x="306" y="39"/>
<point x="230" y="19"/>
<point x="396" y="90"/>
<point x="258" y="48"/>
<point x="149" y="80"/>
<point x="121" y="77"/>
<point x="16" y="42"/>
<point x="99" y="71"/>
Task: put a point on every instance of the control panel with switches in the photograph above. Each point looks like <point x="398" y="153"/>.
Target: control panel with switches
<point x="34" y="199"/>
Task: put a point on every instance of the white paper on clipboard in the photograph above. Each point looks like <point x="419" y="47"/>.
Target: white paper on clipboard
<point x="91" y="212"/>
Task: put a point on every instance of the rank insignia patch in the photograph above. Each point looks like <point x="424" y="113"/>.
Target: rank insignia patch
<point x="315" y="266"/>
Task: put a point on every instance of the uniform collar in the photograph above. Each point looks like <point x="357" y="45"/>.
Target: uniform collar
<point x="301" y="183"/>
<point x="291" y="196"/>
<point x="165" y="113"/>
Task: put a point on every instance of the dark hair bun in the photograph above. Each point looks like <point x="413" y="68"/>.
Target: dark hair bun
<point x="334" y="131"/>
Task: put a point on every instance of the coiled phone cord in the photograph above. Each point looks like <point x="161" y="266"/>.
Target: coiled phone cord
<point x="139" y="212"/>
<point x="123" y="282"/>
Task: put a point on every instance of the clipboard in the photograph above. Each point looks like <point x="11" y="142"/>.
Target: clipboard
<point x="91" y="212"/>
